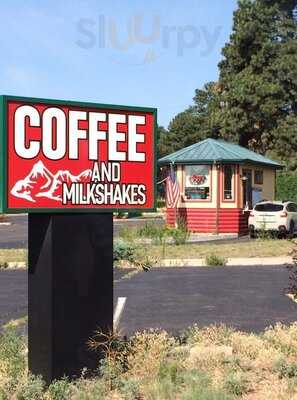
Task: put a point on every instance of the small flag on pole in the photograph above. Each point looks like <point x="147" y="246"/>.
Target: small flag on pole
<point x="172" y="189"/>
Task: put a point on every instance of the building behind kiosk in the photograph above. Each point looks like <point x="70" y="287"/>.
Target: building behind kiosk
<point x="219" y="181"/>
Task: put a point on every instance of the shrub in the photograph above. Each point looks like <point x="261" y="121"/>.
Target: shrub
<point x="149" y="230"/>
<point x="286" y="186"/>
<point x="283" y="338"/>
<point x="198" y="386"/>
<point x="60" y="389"/>
<point x="285" y="369"/>
<point x="210" y="335"/>
<point x="155" y="232"/>
<point x="180" y="234"/>
<point x="12" y="356"/>
<point x="128" y="234"/>
<point x="33" y="389"/>
<point x="121" y="214"/>
<point x="292" y="288"/>
<point x="134" y="214"/>
<point x="213" y="260"/>
<point x="161" y="203"/>
<point x="247" y="345"/>
<point x="236" y="385"/>
<point x="146" y="352"/>
<point x="90" y="389"/>
<point x="123" y="251"/>
<point x="130" y="389"/>
<point x="169" y="370"/>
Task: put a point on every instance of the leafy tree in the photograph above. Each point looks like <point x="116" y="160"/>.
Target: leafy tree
<point x="285" y="142"/>
<point x="207" y="107"/>
<point x="183" y="131"/>
<point x="195" y="123"/>
<point x="258" y="73"/>
<point x="285" y="5"/>
<point x="254" y="101"/>
<point x="163" y="145"/>
<point x="286" y="186"/>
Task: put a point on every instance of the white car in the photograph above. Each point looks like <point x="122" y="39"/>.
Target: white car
<point x="273" y="216"/>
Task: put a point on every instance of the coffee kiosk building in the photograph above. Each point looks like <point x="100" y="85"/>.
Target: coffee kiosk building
<point x="218" y="181"/>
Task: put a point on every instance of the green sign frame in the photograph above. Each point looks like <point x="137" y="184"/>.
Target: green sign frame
<point x="4" y="99"/>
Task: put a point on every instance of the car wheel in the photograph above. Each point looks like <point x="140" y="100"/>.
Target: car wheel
<point x="292" y="230"/>
<point x="252" y="234"/>
<point x="282" y="233"/>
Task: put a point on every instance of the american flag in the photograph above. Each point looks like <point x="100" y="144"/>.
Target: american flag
<point x="172" y="189"/>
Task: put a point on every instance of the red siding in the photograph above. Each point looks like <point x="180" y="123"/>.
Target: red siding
<point x="203" y="220"/>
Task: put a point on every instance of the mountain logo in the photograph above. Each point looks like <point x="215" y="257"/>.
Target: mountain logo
<point x="40" y="182"/>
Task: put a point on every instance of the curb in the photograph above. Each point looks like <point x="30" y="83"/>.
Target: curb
<point x="14" y="265"/>
<point x="197" y="262"/>
<point x="252" y="261"/>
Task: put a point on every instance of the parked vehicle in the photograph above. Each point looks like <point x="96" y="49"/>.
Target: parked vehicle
<point x="273" y="216"/>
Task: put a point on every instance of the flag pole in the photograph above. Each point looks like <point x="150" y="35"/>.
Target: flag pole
<point x="175" y="205"/>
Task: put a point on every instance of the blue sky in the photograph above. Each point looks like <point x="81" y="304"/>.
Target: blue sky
<point x="152" y="53"/>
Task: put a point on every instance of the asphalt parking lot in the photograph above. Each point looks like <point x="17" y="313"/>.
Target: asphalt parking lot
<point x="246" y="298"/>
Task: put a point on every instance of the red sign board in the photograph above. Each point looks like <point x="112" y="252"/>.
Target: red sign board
<point x="67" y="156"/>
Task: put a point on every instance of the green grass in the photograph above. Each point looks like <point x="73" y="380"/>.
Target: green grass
<point x="14" y="323"/>
<point x="13" y="255"/>
<point x="255" y="248"/>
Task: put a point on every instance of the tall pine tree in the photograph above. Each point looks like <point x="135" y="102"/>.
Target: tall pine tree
<point x="254" y="101"/>
<point x="258" y="73"/>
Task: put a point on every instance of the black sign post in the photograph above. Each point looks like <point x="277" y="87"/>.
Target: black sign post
<point x="70" y="290"/>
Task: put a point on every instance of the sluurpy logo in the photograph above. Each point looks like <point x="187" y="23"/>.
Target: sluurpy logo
<point x="152" y="34"/>
<point x="41" y="182"/>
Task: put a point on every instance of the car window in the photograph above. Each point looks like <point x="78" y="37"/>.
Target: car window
<point x="269" y="207"/>
<point x="291" y="207"/>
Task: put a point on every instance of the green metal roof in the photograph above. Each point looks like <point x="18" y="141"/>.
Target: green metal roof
<point x="211" y="151"/>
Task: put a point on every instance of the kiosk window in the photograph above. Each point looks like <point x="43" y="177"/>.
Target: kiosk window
<point x="228" y="182"/>
<point x="258" y="178"/>
<point x="197" y="182"/>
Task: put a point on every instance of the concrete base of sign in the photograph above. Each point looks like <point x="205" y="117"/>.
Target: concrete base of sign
<point x="70" y="290"/>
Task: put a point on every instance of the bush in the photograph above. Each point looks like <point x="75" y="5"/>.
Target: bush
<point x="155" y="232"/>
<point x="3" y="265"/>
<point x="180" y="234"/>
<point x="292" y="289"/>
<point x="128" y="234"/>
<point x="236" y="385"/>
<point x="286" y="186"/>
<point x="60" y="389"/>
<point x="210" y="335"/>
<point x="161" y="203"/>
<point x="215" y="261"/>
<point x="12" y="356"/>
<point x="285" y="369"/>
<point x="123" y="251"/>
<point x="159" y="233"/>
<point x="149" y="230"/>
<point x="33" y="389"/>
<point x="198" y="386"/>
<point x="134" y="214"/>
<point x="130" y="389"/>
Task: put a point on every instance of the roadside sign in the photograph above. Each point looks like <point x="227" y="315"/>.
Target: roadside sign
<point x="64" y="156"/>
